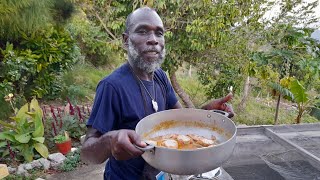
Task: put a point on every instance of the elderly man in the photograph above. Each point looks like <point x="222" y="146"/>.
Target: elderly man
<point x="134" y="90"/>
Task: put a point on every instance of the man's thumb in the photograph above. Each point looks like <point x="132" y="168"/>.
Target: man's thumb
<point x="227" y="98"/>
<point x="137" y="140"/>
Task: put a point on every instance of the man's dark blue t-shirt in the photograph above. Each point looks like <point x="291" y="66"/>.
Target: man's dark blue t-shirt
<point x="120" y="103"/>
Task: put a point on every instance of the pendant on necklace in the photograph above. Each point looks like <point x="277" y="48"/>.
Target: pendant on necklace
<point x="155" y="105"/>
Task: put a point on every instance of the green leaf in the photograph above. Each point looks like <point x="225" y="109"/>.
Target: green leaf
<point x="315" y="112"/>
<point x="34" y="106"/>
<point x="42" y="149"/>
<point x="22" y="112"/>
<point x="298" y="91"/>
<point x="7" y="136"/>
<point x="5" y="153"/>
<point x="285" y="92"/>
<point x="7" y="125"/>
<point x="3" y="144"/>
<point x="27" y="152"/>
<point x="39" y="139"/>
<point x="38" y="125"/>
<point x="23" y="138"/>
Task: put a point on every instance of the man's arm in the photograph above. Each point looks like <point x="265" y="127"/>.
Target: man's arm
<point x="219" y="104"/>
<point x="97" y="147"/>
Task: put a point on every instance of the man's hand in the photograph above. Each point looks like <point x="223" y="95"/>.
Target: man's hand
<point x="122" y="144"/>
<point x="221" y="104"/>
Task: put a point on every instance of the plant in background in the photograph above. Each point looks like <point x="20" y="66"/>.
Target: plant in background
<point x="63" y="142"/>
<point x="291" y="89"/>
<point x="70" y="118"/>
<point x="72" y="161"/>
<point x="315" y="111"/>
<point x="75" y="127"/>
<point x="25" y="134"/>
<point x="61" y="138"/>
<point x="33" y="67"/>
<point x="303" y="100"/>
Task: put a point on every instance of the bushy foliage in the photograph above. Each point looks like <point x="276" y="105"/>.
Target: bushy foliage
<point x="24" y="136"/>
<point x="72" y="161"/>
<point x="32" y="68"/>
<point x="70" y="118"/>
<point x="94" y="42"/>
<point x="79" y="84"/>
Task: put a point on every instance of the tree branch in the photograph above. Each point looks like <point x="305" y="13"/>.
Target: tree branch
<point x="105" y="27"/>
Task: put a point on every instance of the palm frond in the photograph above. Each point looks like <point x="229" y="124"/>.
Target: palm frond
<point x="283" y="91"/>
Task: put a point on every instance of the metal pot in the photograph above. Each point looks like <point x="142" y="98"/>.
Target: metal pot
<point x="188" y="121"/>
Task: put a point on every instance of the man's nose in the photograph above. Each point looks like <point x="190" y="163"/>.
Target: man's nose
<point x="152" y="39"/>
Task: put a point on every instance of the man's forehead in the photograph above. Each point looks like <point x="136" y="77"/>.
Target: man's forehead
<point x="146" y="17"/>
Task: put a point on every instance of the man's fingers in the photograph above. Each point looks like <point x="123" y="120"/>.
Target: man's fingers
<point x="229" y="109"/>
<point x="124" y="147"/>
<point x="135" y="139"/>
<point x="227" y="98"/>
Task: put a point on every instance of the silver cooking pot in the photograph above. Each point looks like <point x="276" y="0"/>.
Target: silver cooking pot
<point x="188" y="121"/>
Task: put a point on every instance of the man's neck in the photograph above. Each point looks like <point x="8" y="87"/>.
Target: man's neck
<point x="142" y="75"/>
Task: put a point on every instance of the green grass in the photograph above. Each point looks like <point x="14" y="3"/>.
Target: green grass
<point x="80" y="83"/>
<point x="194" y="89"/>
<point x="257" y="113"/>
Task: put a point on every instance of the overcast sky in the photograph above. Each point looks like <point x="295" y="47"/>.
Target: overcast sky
<point x="275" y="10"/>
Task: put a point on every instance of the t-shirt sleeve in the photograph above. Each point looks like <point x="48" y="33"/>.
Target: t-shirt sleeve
<point x="106" y="109"/>
<point x="171" y="95"/>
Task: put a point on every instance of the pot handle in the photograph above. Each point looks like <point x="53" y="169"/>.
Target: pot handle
<point x="221" y="112"/>
<point x="149" y="147"/>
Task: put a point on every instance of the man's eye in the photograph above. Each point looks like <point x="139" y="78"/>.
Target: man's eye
<point x="159" y="33"/>
<point x="142" y="32"/>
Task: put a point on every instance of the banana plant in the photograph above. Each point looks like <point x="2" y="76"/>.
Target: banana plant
<point x="282" y="91"/>
<point x="26" y="133"/>
<point x="301" y="97"/>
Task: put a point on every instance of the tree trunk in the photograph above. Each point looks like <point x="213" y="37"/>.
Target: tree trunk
<point x="277" y="110"/>
<point x="190" y="71"/>
<point x="298" y="119"/>
<point x="246" y="90"/>
<point x="181" y="93"/>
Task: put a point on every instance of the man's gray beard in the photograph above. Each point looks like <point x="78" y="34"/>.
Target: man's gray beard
<point x="146" y="66"/>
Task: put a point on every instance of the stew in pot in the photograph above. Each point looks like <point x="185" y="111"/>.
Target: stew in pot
<point x="183" y="142"/>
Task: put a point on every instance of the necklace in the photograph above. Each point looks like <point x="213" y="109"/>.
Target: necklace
<point x="153" y="101"/>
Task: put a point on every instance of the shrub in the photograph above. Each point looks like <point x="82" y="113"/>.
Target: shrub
<point x="25" y="134"/>
<point x="69" y="118"/>
<point x="72" y="161"/>
<point x="94" y="42"/>
<point x="32" y="67"/>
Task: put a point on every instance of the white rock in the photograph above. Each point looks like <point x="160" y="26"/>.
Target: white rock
<point x="12" y="170"/>
<point x="21" y="170"/>
<point x="40" y="179"/>
<point x="82" y="138"/>
<point x="57" y="158"/>
<point x="74" y="149"/>
<point x="55" y="165"/>
<point x="28" y="166"/>
<point x="45" y="163"/>
<point x="36" y="164"/>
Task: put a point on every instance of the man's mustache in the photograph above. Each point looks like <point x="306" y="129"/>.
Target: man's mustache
<point x="152" y="50"/>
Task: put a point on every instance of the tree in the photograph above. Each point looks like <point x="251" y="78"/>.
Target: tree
<point x="290" y="48"/>
<point x="34" y="47"/>
<point x="217" y="36"/>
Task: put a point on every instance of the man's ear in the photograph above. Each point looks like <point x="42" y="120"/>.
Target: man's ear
<point x="125" y="41"/>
